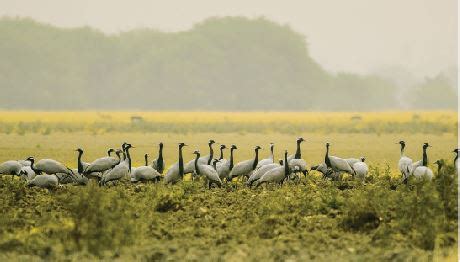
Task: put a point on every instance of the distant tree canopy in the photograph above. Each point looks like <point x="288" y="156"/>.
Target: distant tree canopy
<point x="230" y="63"/>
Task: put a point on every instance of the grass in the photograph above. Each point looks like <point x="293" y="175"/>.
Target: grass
<point x="323" y="220"/>
<point x="225" y="122"/>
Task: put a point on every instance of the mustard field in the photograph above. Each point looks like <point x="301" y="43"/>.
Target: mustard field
<point x="316" y="219"/>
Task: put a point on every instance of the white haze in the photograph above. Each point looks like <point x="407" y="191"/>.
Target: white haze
<point x="402" y="40"/>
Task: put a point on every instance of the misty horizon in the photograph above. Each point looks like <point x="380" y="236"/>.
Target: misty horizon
<point x="404" y="42"/>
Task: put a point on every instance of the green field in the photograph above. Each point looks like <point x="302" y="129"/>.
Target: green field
<point x="316" y="219"/>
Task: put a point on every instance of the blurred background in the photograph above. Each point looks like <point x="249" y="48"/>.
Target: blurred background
<point x="208" y="55"/>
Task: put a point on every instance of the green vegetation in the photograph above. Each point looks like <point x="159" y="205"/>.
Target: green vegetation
<point x="231" y="63"/>
<point x="317" y="219"/>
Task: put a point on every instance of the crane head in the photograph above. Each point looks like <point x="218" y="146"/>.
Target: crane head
<point x="439" y="162"/>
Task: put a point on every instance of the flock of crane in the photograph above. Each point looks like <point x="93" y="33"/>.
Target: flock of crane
<point x="49" y="173"/>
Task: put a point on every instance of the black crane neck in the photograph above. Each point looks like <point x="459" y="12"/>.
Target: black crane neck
<point x="298" y="154"/>
<point x="79" y="163"/>
<point x="256" y="160"/>
<point x="326" y="158"/>
<point x="197" y="168"/>
<point x="181" y="162"/>
<point x="231" y="158"/>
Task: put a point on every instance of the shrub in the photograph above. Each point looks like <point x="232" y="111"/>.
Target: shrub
<point x="101" y="219"/>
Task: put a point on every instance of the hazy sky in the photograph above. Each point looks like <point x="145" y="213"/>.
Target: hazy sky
<point x="354" y="35"/>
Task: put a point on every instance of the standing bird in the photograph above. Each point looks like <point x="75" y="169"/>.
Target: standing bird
<point x="24" y="162"/>
<point x="456" y="158"/>
<point x="81" y="166"/>
<point x="224" y="167"/>
<point x="245" y="168"/>
<point x="11" y="167"/>
<point x="119" y="171"/>
<point x="440" y="163"/>
<point x="337" y="164"/>
<point x="413" y="166"/>
<point x="269" y="160"/>
<point x="27" y="173"/>
<point x="422" y="171"/>
<point x="298" y="166"/>
<point x="50" y="167"/>
<point x="361" y="169"/>
<point x="258" y="173"/>
<point x="190" y="166"/>
<point x="404" y="163"/>
<point x="222" y="147"/>
<point x="104" y="163"/>
<point x="276" y="175"/>
<point x="158" y="164"/>
<point x="44" y="181"/>
<point x="208" y="171"/>
<point x="298" y="153"/>
<point x="352" y="161"/>
<point x="327" y="172"/>
<point x="145" y="173"/>
<point x="176" y="171"/>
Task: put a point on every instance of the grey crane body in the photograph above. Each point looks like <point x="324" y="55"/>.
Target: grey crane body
<point x="276" y="175"/>
<point x="207" y="171"/>
<point x="421" y="170"/>
<point x="269" y="160"/>
<point x="11" y="167"/>
<point x="258" y="173"/>
<point x="146" y="173"/>
<point x="80" y="178"/>
<point x="352" y="161"/>
<point x="327" y="172"/>
<point x="44" y="181"/>
<point x="404" y="163"/>
<point x="119" y="171"/>
<point x="337" y="164"/>
<point x="50" y="167"/>
<point x="176" y="171"/>
<point x="245" y="168"/>
<point x="224" y="166"/>
<point x="298" y="165"/>
<point x="361" y="169"/>
<point x="24" y="162"/>
<point x="103" y="164"/>
<point x="205" y="160"/>
<point x="158" y="164"/>
<point x="27" y="173"/>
